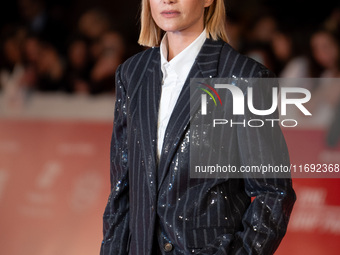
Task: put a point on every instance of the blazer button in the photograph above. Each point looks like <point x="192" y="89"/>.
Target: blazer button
<point x="152" y="208"/>
<point x="168" y="247"/>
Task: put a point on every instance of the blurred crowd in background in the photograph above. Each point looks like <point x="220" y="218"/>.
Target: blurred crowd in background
<point x="47" y="47"/>
<point x="41" y="53"/>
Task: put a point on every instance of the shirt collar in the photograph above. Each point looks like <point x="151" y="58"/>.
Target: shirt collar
<point x="182" y="62"/>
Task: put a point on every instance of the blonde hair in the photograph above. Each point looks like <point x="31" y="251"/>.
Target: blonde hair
<point x="214" y="23"/>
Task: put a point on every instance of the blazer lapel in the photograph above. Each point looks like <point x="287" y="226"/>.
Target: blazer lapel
<point x="149" y="93"/>
<point x="205" y="66"/>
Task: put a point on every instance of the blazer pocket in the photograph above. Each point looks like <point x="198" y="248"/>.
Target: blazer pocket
<point x="198" y="238"/>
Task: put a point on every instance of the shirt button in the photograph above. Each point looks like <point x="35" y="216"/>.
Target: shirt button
<point x="168" y="247"/>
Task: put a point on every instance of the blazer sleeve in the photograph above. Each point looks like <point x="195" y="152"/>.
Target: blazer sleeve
<point x="116" y="215"/>
<point x="265" y="221"/>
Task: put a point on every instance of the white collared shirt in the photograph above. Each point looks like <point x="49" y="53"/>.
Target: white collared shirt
<point x="175" y="73"/>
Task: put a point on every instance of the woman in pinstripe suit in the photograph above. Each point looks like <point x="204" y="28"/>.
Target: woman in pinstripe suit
<point x="154" y="206"/>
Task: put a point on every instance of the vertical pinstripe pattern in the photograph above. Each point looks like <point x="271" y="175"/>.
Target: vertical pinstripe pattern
<point x="197" y="216"/>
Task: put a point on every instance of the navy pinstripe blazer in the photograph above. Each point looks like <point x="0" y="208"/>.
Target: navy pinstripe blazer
<point x="157" y="200"/>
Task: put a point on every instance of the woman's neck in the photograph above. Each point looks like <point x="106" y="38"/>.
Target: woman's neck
<point x="178" y="41"/>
